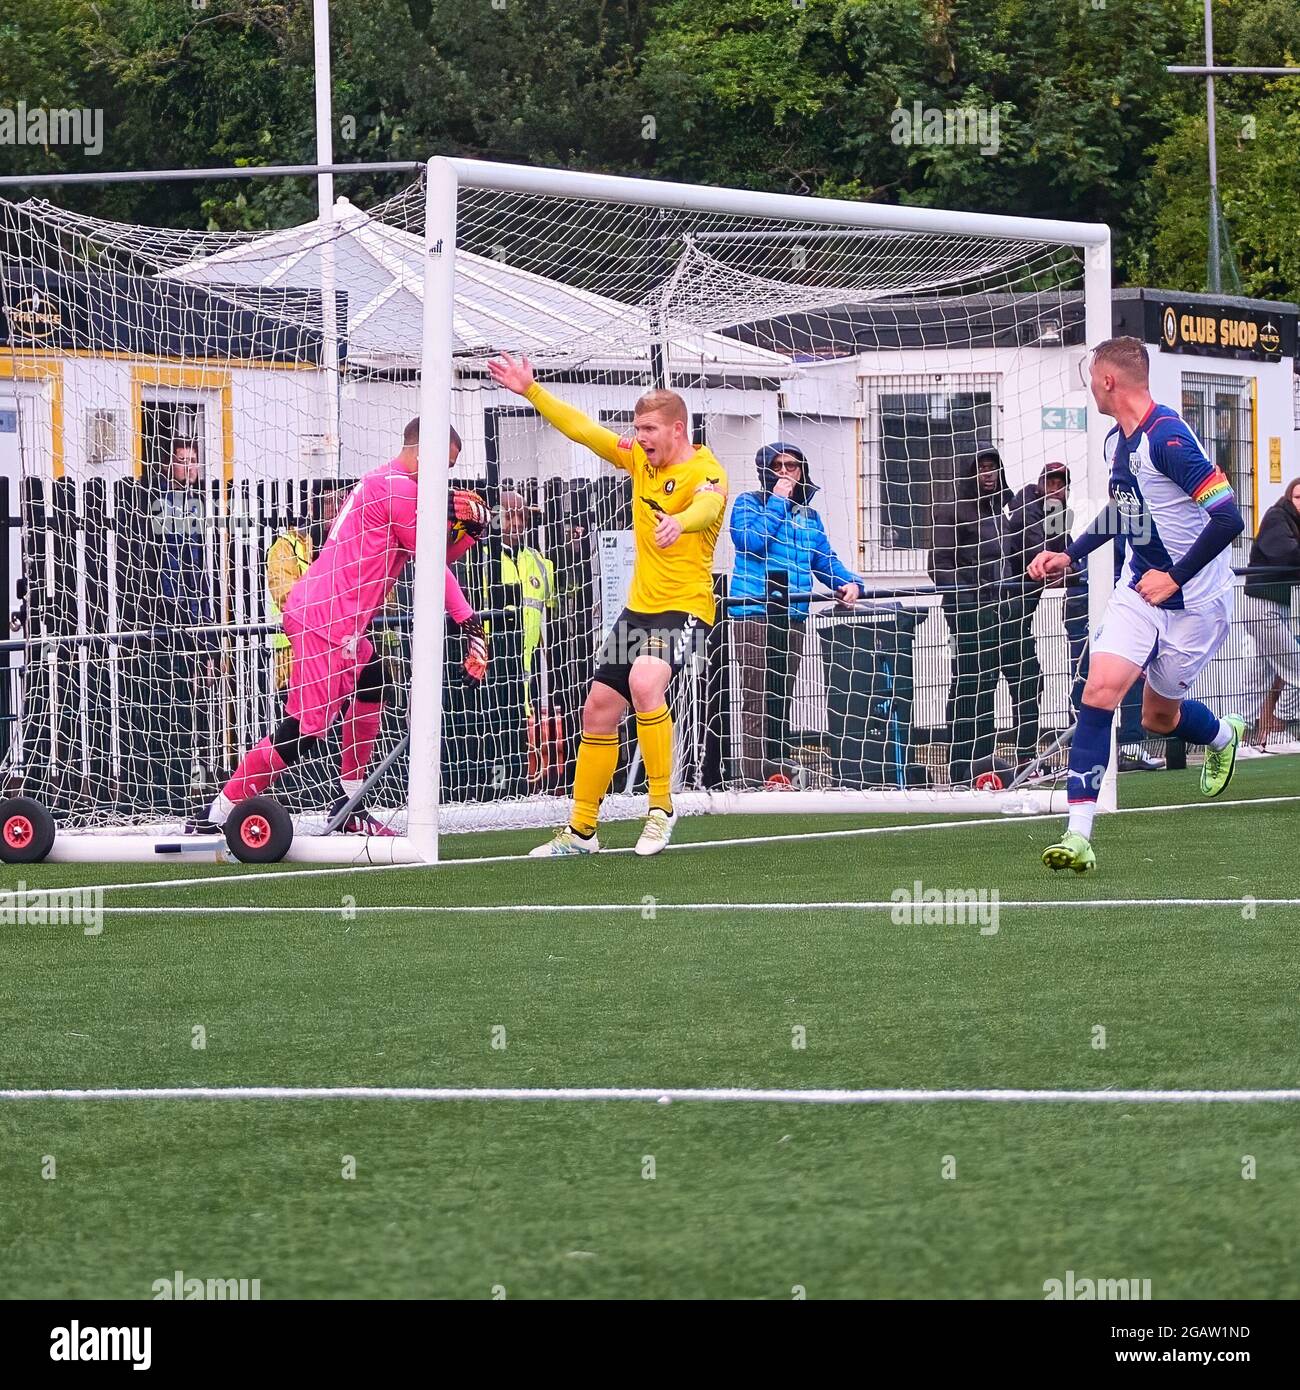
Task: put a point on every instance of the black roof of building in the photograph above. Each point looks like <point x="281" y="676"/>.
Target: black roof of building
<point x="1044" y="319"/>
<point x="108" y="311"/>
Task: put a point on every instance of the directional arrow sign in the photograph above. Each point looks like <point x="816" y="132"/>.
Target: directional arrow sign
<point x="1065" y="417"/>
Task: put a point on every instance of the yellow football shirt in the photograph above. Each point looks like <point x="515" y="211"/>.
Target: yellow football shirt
<point x="681" y="576"/>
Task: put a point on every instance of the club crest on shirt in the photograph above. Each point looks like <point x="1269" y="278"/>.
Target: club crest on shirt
<point x="670" y="485"/>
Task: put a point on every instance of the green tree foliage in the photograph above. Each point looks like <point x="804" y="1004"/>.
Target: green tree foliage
<point x="1258" y="124"/>
<point x="809" y="95"/>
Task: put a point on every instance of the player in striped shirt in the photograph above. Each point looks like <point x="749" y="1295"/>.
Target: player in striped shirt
<point x="1172" y="608"/>
<point x="335" y="669"/>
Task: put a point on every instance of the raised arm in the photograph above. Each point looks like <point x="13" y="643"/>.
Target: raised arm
<point x="457" y="605"/>
<point x="518" y="377"/>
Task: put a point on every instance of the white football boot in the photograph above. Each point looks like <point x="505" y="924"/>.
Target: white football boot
<point x="565" y="843"/>
<point x="656" y="832"/>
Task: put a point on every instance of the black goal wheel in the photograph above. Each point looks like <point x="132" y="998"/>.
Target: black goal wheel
<point x="259" y="831"/>
<point x="26" y="830"/>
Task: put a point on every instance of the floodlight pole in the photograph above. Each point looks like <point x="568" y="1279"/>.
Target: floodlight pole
<point x="324" y="109"/>
<point x="1210" y="71"/>
<point x="325" y="211"/>
<point x="1215" y="278"/>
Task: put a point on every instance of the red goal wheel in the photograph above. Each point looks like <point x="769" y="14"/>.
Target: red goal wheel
<point x="26" y="830"/>
<point x="992" y="774"/>
<point x="259" y="831"/>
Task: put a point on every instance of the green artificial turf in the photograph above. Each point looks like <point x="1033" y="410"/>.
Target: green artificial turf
<point x="549" y="1199"/>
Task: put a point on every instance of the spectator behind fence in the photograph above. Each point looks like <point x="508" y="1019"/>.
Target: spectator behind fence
<point x="776" y="531"/>
<point x="287" y="559"/>
<point x="528" y="578"/>
<point x="965" y="564"/>
<point x="182" y="661"/>
<point x="1034" y="524"/>
<point x="1273" y="572"/>
<point x="528" y="585"/>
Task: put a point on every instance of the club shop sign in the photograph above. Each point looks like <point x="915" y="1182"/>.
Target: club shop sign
<point x="1211" y="331"/>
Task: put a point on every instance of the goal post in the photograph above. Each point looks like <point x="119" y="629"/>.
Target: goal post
<point x="889" y="347"/>
<point x="470" y="203"/>
<point x="429" y="621"/>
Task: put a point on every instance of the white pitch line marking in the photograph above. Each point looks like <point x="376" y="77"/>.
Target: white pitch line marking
<point x="875" y="905"/>
<point x="273" y="875"/>
<point x="919" y="1096"/>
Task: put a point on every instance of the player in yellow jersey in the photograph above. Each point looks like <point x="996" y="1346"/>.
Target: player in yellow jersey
<point x="679" y="493"/>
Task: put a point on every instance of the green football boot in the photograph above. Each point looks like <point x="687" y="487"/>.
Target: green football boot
<point x="1220" y="763"/>
<point x="1071" y="851"/>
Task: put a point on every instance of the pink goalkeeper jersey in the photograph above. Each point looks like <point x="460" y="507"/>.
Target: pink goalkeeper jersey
<point x="371" y="540"/>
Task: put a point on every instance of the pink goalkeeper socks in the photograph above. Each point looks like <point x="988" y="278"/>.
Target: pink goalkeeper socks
<point x="261" y="765"/>
<point x="360" y="730"/>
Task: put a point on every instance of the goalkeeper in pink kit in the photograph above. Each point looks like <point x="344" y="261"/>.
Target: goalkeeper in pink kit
<point x="335" y="670"/>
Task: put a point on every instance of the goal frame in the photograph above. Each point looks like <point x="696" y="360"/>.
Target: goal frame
<point x="446" y="178"/>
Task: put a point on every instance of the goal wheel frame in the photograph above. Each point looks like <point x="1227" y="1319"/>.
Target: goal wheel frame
<point x="27" y="830"/>
<point x="259" y="831"/>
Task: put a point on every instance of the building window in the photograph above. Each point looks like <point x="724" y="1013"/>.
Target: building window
<point x="1218" y="412"/>
<point x="164" y="425"/>
<point x="921" y="430"/>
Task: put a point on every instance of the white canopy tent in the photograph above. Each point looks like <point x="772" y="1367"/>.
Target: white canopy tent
<point x="498" y="305"/>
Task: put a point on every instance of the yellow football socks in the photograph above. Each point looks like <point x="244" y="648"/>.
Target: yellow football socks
<point x="597" y="759"/>
<point x="654" y="731"/>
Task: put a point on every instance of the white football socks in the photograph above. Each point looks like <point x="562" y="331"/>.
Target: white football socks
<point x="1081" y="814"/>
<point x="220" y="809"/>
<point x="1224" y="737"/>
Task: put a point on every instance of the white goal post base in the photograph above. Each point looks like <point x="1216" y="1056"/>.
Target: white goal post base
<point x="849" y="802"/>
<point x="87" y="847"/>
<point x="622" y="806"/>
<point x="164" y="844"/>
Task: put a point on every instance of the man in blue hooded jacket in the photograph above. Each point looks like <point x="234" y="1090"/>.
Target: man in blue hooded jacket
<point x="776" y="532"/>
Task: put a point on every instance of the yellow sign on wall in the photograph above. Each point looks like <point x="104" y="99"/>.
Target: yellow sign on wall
<point x="1274" y="458"/>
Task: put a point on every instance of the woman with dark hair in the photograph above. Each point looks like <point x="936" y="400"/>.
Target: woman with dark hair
<point x="1272" y="574"/>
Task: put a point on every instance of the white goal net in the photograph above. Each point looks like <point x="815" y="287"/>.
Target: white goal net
<point x="898" y="410"/>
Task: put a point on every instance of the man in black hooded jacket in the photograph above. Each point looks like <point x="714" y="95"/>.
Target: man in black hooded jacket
<point x="1272" y="574"/>
<point x="1038" y="520"/>
<point x="966" y="564"/>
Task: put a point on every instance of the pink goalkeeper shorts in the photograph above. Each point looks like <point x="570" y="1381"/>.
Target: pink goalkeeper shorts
<point x="322" y="677"/>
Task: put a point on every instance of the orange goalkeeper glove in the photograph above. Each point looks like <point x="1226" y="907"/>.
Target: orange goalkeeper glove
<point x="469" y="512"/>
<point x="476" y="657"/>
